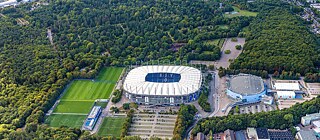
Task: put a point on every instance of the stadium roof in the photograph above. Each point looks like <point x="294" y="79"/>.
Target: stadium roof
<point x="138" y="80"/>
<point x="246" y="84"/>
<point x="287" y="86"/>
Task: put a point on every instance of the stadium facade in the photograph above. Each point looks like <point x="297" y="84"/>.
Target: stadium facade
<point x="246" y="88"/>
<point x="163" y="85"/>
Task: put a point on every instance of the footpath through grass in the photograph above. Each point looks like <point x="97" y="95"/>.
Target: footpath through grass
<point x="111" y="126"/>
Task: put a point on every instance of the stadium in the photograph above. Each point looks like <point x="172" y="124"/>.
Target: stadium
<point x="246" y="88"/>
<point x="163" y="85"/>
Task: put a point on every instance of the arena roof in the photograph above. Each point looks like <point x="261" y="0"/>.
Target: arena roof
<point x="246" y="84"/>
<point x="163" y="80"/>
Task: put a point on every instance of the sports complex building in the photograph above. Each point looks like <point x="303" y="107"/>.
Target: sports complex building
<point x="246" y="87"/>
<point x="92" y="118"/>
<point x="163" y="85"/>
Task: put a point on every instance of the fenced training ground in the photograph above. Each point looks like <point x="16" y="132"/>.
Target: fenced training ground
<point x="57" y="120"/>
<point x="111" y="126"/>
<point x="80" y="96"/>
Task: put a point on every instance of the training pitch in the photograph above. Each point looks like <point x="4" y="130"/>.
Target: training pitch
<point x="80" y="96"/>
<point x="57" y="120"/>
<point x="111" y="126"/>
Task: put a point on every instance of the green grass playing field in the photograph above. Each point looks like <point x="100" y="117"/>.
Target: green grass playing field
<point x="74" y="107"/>
<point x="111" y="126"/>
<point x="57" y="120"/>
<point x="241" y="13"/>
<point x="81" y="94"/>
<point x="100" y="88"/>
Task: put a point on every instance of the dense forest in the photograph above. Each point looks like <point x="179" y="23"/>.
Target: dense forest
<point x="278" y="40"/>
<point x="87" y="35"/>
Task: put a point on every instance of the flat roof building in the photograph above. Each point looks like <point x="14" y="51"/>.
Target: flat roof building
<point x="280" y="134"/>
<point x="262" y="134"/>
<point x="306" y="120"/>
<point x="287" y="86"/>
<point x="286" y="94"/>
<point x="306" y="135"/>
<point x="229" y="135"/>
<point x="92" y="118"/>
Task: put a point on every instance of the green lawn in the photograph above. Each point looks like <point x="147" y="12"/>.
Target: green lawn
<point x="223" y="26"/>
<point x="88" y="90"/>
<point x="79" y="97"/>
<point x="57" y="120"/>
<point x="217" y="42"/>
<point x="102" y="104"/>
<point x="73" y="107"/>
<point x="110" y="74"/>
<point x="241" y="13"/>
<point x="111" y="126"/>
<point x="100" y="88"/>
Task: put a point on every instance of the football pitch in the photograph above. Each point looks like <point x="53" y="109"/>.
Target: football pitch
<point x="57" y="120"/>
<point x="80" y="96"/>
<point x="111" y="126"/>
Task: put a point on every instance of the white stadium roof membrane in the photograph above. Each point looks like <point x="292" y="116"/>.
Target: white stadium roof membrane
<point x="190" y="81"/>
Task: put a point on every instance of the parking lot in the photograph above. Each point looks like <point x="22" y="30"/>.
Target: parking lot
<point x="255" y="108"/>
<point x="148" y="125"/>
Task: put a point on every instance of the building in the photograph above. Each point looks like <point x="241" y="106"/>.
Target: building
<point x="262" y="134"/>
<point x="252" y="134"/>
<point x="267" y="99"/>
<point x="92" y="118"/>
<point x="287" y="86"/>
<point x="286" y="94"/>
<point x="240" y="135"/>
<point x="163" y="85"/>
<point x="305" y="135"/>
<point x="306" y="120"/>
<point x="311" y="1"/>
<point x="229" y="135"/>
<point x="246" y="88"/>
<point x="8" y="3"/>
<point x="280" y="134"/>
<point x="316" y="125"/>
<point x="200" y="136"/>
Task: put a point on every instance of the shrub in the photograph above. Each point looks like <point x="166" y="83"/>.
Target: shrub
<point x="234" y="39"/>
<point x="227" y="51"/>
<point x="238" y="47"/>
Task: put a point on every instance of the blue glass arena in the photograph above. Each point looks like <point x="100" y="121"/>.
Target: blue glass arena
<point x="163" y="85"/>
<point x="246" y="88"/>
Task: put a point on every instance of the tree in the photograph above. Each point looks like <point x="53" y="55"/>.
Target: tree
<point x="211" y="67"/>
<point x="126" y="106"/>
<point x="238" y="47"/>
<point x="114" y="109"/>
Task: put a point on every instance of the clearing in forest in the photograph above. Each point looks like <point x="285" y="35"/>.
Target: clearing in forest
<point x="111" y="126"/>
<point x="238" y="12"/>
<point x="216" y="42"/>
